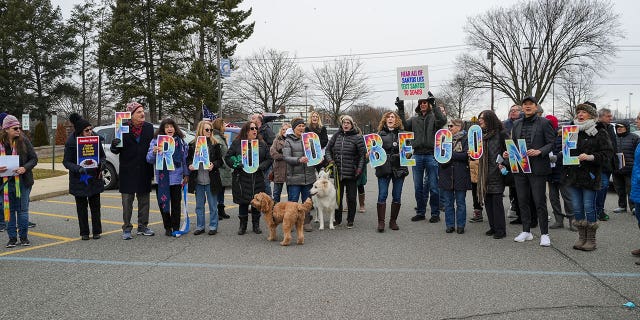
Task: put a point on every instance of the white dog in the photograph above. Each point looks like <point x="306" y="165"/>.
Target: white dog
<point x="323" y="194"/>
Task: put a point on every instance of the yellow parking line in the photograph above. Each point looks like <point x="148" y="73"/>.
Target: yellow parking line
<point x="70" y="217"/>
<point x="49" y="236"/>
<point x="35" y="247"/>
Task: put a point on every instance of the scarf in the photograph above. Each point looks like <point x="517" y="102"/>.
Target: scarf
<point x="164" y="181"/>
<point x="136" y="130"/>
<point x="483" y="168"/>
<point x="588" y="126"/>
<point x="5" y="181"/>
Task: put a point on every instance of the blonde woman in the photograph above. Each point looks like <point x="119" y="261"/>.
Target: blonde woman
<point x="279" y="165"/>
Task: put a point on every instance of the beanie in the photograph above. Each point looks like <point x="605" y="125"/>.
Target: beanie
<point x="133" y="106"/>
<point x="79" y="123"/>
<point x="10" y="121"/>
<point x="588" y="108"/>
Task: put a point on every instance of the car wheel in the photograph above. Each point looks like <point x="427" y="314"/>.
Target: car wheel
<point x="109" y="176"/>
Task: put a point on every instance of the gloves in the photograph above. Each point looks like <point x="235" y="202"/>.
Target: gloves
<point x="400" y="104"/>
<point x="431" y="100"/>
<point x="358" y="172"/>
<point x="553" y="158"/>
<point x="115" y="143"/>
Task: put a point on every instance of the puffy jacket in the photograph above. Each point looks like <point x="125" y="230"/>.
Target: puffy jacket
<point x="215" y="156"/>
<point x="424" y="128"/>
<point x="246" y="185"/>
<point x="225" y="171"/>
<point x="181" y="166"/>
<point x="279" y="165"/>
<point x="587" y="174"/>
<point x="494" y="145"/>
<point x="391" y="146"/>
<point x="634" y="195"/>
<point x="77" y="187"/>
<point x="298" y="174"/>
<point x="626" y="144"/>
<point x="348" y="151"/>
<point x="455" y="175"/>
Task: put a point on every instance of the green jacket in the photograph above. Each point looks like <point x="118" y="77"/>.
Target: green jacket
<point x="424" y="128"/>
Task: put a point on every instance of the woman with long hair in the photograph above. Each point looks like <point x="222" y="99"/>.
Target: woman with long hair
<point x="17" y="187"/>
<point x="170" y="182"/>
<point x="490" y="179"/>
<point x="246" y="185"/>
<point x="314" y="124"/>
<point x="205" y="181"/>
<point x="391" y="171"/>
<point x="279" y="165"/>
<point x="225" y="172"/>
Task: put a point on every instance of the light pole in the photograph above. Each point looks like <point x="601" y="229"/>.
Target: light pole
<point x="617" y="107"/>
<point x="629" y="107"/>
<point x="490" y="56"/>
<point x="306" y="105"/>
<point x="529" y="66"/>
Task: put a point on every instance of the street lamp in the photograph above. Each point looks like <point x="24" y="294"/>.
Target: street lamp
<point x="306" y="105"/>
<point x="617" y="107"/>
<point x="629" y="110"/>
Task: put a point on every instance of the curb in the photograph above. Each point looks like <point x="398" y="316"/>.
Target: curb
<point x="47" y="195"/>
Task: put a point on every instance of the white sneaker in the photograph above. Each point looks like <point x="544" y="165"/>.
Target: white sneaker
<point x="545" y="241"/>
<point x="524" y="236"/>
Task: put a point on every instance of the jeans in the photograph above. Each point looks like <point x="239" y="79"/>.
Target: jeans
<point x="277" y="191"/>
<point x="202" y="192"/>
<point x="601" y="194"/>
<point x="583" y="201"/>
<point x="267" y="182"/>
<point x="295" y="191"/>
<point x="454" y="214"/>
<point x="426" y="165"/>
<point x="383" y="189"/>
<point x="19" y="210"/>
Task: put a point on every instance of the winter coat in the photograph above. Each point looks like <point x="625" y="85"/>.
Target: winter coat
<point x="279" y="165"/>
<point x="322" y="133"/>
<point x="455" y="175"/>
<point x="181" y="165"/>
<point x="556" y="171"/>
<point x="27" y="159"/>
<point x="298" y="174"/>
<point x="626" y="144"/>
<point x="424" y="128"/>
<point x="348" y="151"/>
<point x="135" y="172"/>
<point x="391" y="146"/>
<point x="587" y="174"/>
<point x="225" y="171"/>
<point x="542" y="137"/>
<point x="246" y="185"/>
<point x="494" y="145"/>
<point x="78" y="188"/>
<point x="609" y="166"/>
<point x="634" y="195"/>
<point x="267" y="134"/>
<point x="215" y="156"/>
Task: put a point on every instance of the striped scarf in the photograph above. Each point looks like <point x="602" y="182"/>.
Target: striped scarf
<point x="5" y="181"/>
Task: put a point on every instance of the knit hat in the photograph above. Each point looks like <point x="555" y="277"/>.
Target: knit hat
<point x="588" y="108"/>
<point x="296" y="122"/>
<point x="133" y="106"/>
<point x="347" y="117"/>
<point x="553" y="120"/>
<point x="79" y="123"/>
<point x="10" y="121"/>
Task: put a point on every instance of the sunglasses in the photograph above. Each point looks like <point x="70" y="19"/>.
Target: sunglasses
<point x="253" y="128"/>
<point x="16" y="128"/>
<point x="208" y="130"/>
<point x="87" y="130"/>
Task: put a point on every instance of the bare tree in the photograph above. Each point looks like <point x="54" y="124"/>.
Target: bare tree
<point x="341" y="83"/>
<point x="576" y="86"/>
<point x="533" y="42"/>
<point x="460" y="95"/>
<point x="367" y="117"/>
<point x="270" y="79"/>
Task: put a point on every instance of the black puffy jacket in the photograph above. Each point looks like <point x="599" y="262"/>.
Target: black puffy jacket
<point x="391" y="146"/>
<point x="245" y="185"/>
<point x="587" y="174"/>
<point x="626" y="144"/>
<point x="347" y="150"/>
<point x="455" y="174"/>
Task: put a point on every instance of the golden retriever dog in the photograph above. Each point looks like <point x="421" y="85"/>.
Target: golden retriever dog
<point x="323" y="194"/>
<point x="287" y="213"/>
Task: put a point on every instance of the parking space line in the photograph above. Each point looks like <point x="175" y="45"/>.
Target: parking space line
<point x="36" y="247"/>
<point x="71" y="217"/>
<point x="49" y="236"/>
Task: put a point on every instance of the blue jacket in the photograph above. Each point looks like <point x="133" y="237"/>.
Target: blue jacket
<point x="635" y="178"/>
<point x="181" y="168"/>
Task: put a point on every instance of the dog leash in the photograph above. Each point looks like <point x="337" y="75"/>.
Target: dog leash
<point x="331" y="169"/>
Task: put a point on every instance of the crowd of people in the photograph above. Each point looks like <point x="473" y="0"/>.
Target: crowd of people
<point x="602" y="150"/>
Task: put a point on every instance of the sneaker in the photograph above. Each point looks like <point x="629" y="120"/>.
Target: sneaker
<point x="126" y="235"/>
<point x="490" y="232"/>
<point x="85" y="237"/>
<point x="96" y="236"/>
<point x="512" y="214"/>
<point x="349" y="225"/>
<point x="213" y="232"/>
<point x="499" y="235"/>
<point x="25" y="242"/>
<point x="198" y="232"/>
<point x="619" y="210"/>
<point x="145" y="231"/>
<point x="32" y="225"/>
<point x="418" y="217"/>
<point x="168" y="233"/>
<point x="524" y="236"/>
<point x="178" y="235"/>
<point x="603" y="216"/>
<point x="545" y="241"/>
<point x="12" y="243"/>
<point x="434" y="219"/>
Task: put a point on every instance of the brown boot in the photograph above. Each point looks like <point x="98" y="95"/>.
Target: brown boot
<point x="590" y="244"/>
<point x="382" y="208"/>
<point x="395" y="209"/>
<point x="361" y="198"/>
<point x="307" y="223"/>
<point x="581" y="225"/>
<point x="636" y="252"/>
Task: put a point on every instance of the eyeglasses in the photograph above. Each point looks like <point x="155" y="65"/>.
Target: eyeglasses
<point x="450" y="126"/>
<point x="208" y="130"/>
<point x="253" y="128"/>
<point x="87" y="130"/>
<point x="16" y="128"/>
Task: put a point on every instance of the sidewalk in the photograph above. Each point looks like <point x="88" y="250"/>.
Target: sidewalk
<point x="50" y="187"/>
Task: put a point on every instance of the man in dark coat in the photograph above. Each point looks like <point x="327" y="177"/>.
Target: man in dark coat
<point x="135" y="173"/>
<point x="539" y="136"/>
<point x="604" y="118"/>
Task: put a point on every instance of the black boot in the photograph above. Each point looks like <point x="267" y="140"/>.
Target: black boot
<point x="243" y="225"/>
<point x="221" y="213"/>
<point x="255" y="221"/>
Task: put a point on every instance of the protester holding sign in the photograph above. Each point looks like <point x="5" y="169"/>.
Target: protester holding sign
<point x="346" y="152"/>
<point x="17" y="185"/>
<point x="225" y="172"/>
<point x="539" y="136"/>
<point x="279" y="173"/>
<point x="391" y="171"/>
<point x="205" y="180"/>
<point x="172" y="175"/>
<point x="426" y="121"/>
<point x="85" y="181"/>
<point x="583" y="180"/>
<point x="490" y="179"/>
<point x="245" y="184"/>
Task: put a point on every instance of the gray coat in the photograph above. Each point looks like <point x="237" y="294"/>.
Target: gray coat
<point x="297" y="173"/>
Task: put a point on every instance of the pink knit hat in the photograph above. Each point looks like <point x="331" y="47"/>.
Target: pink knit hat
<point x="133" y="106"/>
<point x="10" y="121"/>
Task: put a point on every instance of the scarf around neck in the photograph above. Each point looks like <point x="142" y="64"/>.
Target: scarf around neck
<point x="588" y="126"/>
<point x="5" y="182"/>
<point x="136" y="129"/>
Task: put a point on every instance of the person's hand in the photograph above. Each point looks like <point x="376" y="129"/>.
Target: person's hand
<point x="586" y="157"/>
<point x="400" y="104"/>
<point x="20" y="170"/>
<point x="3" y="168"/>
<point x="210" y="166"/>
<point x="431" y="99"/>
<point x="191" y="167"/>
<point x="505" y="154"/>
<point x="533" y="152"/>
<point x="358" y="172"/>
<point x="553" y="158"/>
<point x="115" y="143"/>
<point x="303" y="160"/>
<point x="157" y="150"/>
<point x="185" y="179"/>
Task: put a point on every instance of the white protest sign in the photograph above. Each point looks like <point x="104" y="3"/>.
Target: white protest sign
<point x="413" y="83"/>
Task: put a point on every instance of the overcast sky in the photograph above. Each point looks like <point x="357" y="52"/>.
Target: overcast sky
<point x="329" y="28"/>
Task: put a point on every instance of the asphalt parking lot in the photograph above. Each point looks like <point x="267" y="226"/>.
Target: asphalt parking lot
<point x="418" y="272"/>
